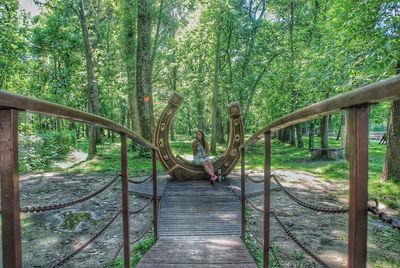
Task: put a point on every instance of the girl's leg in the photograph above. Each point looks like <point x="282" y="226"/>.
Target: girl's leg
<point x="210" y="165"/>
<point x="207" y="169"/>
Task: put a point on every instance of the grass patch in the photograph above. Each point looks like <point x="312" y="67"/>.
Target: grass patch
<point x="138" y="251"/>
<point x="257" y="252"/>
<point x="108" y="159"/>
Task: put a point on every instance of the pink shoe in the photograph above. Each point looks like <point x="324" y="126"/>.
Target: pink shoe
<point x="213" y="179"/>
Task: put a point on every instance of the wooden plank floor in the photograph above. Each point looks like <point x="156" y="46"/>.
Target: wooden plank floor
<point x="196" y="251"/>
<point x="199" y="226"/>
<point x="198" y="208"/>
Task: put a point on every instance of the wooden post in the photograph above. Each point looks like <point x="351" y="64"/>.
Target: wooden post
<point x="10" y="214"/>
<point x="358" y="165"/>
<point x="125" y="200"/>
<point x="243" y="193"/>
<point x="267" y="190"/>
<point x="155" y="200"/>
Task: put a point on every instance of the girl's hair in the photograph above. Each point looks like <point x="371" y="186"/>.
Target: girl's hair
<point x="203" y="140"/>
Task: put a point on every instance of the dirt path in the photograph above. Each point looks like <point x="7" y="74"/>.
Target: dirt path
<point x="50" y="236"/>
<point x="324" y="234"/>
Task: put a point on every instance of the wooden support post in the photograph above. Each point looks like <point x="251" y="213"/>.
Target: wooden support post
<point x="243" y="193"/>
<point x="267" y="191"/>
<point x="358" y="203"/>
<point x="155" y="198"/>
<point x="125" y="200"/>
<point x="10" y="208"/>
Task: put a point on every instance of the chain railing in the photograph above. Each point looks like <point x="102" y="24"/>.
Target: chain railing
<point x="71" y="203"/>
<point x="309" y="206"/>
<point x="10" y="106"/>
<point x="392" y="221"/>
<point x="356" y="104"/>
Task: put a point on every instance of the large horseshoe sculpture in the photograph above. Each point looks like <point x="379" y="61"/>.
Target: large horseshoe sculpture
<point x="182" y="169"/>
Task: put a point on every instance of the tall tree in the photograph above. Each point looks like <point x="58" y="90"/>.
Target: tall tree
<point x="129" y="22"/>
<point x="391" y="168"/>
<point x="215" y="103"/>
<point x="143" y="77"/>
<point x="92" y="86"/>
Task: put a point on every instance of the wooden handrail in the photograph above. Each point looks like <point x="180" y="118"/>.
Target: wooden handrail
<point x="385" y="90"/>
<point x="18" y="102"/>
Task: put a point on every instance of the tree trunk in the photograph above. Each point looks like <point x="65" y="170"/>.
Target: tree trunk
<point x="300" y="143"/>
<point x="157" y="35"/>
<point x="292" y="140"/>
<point x="391" y="168"/>
<point x="214" y="119"/>
<point x="129" y="11"/>
<point x="324" y="134"/>
<point x="143" y="74"/>
<point x="339" y="133"/>
<point x="311" y="136"/>
<point x="220" y="128"/>
<point x="280" y="135"/>
<point x="92" y="87"/>
<point x="286" y="135"/>
<point x="199" y="102"/>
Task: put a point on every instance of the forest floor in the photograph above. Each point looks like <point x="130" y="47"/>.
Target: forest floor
<point x="326" y="235"/>
<point x="48" y="237"/>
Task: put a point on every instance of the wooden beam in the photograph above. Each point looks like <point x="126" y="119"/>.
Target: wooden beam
<point x="243" y="193"/>
<point x="358" y="203"/>
<point x="10" y="207"/>
<point x="33" y="105"/>
<point x="125" y="200"/>
<point x="267" y="195"/>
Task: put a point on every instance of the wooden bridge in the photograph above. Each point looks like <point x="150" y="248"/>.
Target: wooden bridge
<point x="198" y="225"/>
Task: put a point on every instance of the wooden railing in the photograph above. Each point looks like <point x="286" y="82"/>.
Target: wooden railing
<point x="356" y="103"/>
<point x="10" y="106"/>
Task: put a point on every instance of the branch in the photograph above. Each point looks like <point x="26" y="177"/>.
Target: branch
<point x="254" y="87"/>
<point x="44" y="4"/>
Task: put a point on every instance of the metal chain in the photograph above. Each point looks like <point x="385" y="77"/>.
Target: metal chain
<point x="139" y="182"/>
<point x="66" y="259"/>
<point x="144" y="233"/>
<point x="261" y="243"/>
<point x="68" y="204"/>
<point x="256" y="208"/>
<point x="143" y="208"/>
<point x="302" y="246"/>
<point x="121" y="245"/>
<point x="306" y="205"/>
<point x="392" y="221"/>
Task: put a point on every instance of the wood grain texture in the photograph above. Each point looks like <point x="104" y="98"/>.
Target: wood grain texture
<point x="199" y="226"/>
<point x="198" y="208"/>
<point x="198" y="251"/>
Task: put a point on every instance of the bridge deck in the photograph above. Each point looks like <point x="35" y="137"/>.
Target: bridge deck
<point x="199" y="226"/>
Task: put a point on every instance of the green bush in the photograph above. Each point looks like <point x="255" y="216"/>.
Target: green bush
<point x="37" y="152"/>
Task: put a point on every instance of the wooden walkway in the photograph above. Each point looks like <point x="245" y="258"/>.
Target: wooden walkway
<point x="199" y="226"/>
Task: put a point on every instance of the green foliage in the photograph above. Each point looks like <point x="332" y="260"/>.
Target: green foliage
<point x="38" y="151"/>
<point x="108" y="159"/>
<point x="138" y="251"/>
